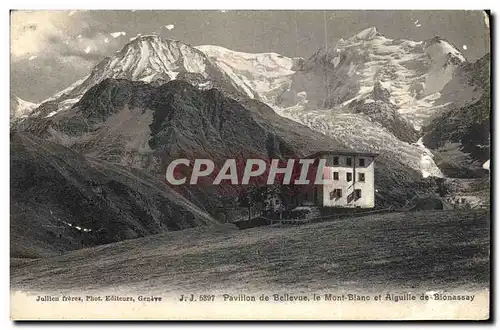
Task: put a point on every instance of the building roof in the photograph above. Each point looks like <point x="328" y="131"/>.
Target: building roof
<point x="341" y="152"/>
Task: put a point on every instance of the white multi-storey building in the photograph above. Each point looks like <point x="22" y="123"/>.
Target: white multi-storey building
<point x="352" y="180"/>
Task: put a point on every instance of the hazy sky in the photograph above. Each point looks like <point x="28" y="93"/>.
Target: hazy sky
<point x="52" y="49"/>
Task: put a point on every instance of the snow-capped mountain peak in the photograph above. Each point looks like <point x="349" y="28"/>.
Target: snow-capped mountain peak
<point x="20" y="108"/>
<point x="263" y="76"/>
<point x="157" y="60"/>
<point x="389" y="86"/>
<point x="445" y="59"/>
<point x="147" y="58"/>
<point x="414" y="72"/>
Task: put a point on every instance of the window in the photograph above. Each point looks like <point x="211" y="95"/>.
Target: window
<point x="335" y="175"/>
<point x="349" y="177"/>
<point x="361" y="177"/>
<point x="336" y="193"/>
<point x="362" y="162"/>
<point x="358" y="193"/>
<point x="335" y="160"/>
<point x="348" y="161"/>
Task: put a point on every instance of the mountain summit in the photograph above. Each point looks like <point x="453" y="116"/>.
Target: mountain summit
<point x="413" y="72"/>
<point x="150" y="59"/>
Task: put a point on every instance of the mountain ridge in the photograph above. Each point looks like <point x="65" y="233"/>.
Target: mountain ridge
<point x="177" y="120"/>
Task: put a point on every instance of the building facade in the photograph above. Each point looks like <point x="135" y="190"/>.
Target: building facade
<point x="351" y="180"/>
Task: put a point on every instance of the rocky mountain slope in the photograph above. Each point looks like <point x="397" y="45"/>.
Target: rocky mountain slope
<point x="461" y="139"/>
<point x="460" y="136"/>
<point x="61" y="200"/>
<point x="387" y="88"/>
<point x="118" y="117"/>
<point x="469" y="82"/>
<point x="155" y="60"/>
<point x="139" y="125"/>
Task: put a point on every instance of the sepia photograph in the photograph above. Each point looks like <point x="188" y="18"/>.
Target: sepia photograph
<point x="250" y="164"/>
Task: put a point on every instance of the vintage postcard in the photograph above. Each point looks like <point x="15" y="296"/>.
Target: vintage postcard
<point x="250" y="165"/>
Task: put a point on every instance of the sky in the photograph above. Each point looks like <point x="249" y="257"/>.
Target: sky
<point x="52" y="49"/>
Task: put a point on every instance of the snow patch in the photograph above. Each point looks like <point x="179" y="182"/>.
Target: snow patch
<point x="204" y="85"/>
<point x="117" y="34"/>
<point x="486" y="19"/>
<point x="427" y="165"/>
<point x="486" y="165"/>
<point x="76" y="227"/>
<point x="21" y="108"/>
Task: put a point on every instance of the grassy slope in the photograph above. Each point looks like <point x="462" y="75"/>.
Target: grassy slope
<point x="52" y="187"/>
<point x="422" y="250"/>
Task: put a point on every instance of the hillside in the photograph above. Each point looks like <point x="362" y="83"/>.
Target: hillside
<point x="62" y="201"/>
<point x="365" y="254"/>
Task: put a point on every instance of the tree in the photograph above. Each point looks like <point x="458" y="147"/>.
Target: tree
<point x="244" y="200"/>
<point x="442" y="189"/>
